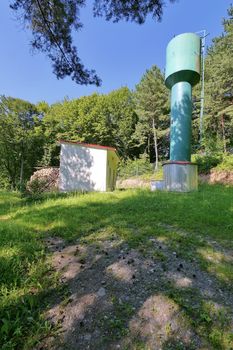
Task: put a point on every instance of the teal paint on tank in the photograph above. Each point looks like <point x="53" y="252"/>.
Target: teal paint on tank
<point x="181" y="116"/>
<point x="183" y="59"/>
<point x="182" y="72"/>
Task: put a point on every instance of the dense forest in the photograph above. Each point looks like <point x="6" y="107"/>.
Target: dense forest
<point x="135" y="122"/>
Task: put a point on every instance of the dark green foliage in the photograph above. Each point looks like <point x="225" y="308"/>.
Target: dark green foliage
<point x="102" y="119"/>
<point x="21" y="141"/>
<point x="151" y="98"/>
<point x="136" y="11"/>
<point x="218" y="118"/>
<point x="4" y="181"/>
<point x="36" y="187"/>
<point x="121" y="118"/>
<point x="52" y="23"/>
<point x="226" y="164"/>
<point x="206" y="162"/>
<point x="136" y="167"/>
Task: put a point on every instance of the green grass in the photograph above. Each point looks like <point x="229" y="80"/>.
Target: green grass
<point x="147" y="175"/>
<point x="185" y="222"/>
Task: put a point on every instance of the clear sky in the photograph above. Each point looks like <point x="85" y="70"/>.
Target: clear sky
<point x="120" y="53"/>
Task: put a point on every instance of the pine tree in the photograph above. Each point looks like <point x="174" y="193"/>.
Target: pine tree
<point x="53" y="23"/>
<point x="219" y="90"/>
<point x="151" y="98"/>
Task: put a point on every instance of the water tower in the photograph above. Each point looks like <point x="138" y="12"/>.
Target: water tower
<point x="183" y="65"/>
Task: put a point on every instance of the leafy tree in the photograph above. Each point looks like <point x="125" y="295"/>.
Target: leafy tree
<point x="58" y="123"/>
<point x="108" y="119"/>
<point x="103" y="119"/>
<point x="20" y="139"/>
<point x="196" y="104"/>
<point x="118" y="110"/>
<point x="151" y="97"/>
<point x="219" y="91"/>
<point x="52" y="22"/>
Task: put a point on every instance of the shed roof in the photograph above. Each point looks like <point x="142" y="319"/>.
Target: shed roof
<point x="88" y="145"/>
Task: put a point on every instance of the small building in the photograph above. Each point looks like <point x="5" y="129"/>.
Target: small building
<point x="87" y="167"/>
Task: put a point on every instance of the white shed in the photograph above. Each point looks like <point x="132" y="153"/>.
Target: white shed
<point x="87" y="167"/>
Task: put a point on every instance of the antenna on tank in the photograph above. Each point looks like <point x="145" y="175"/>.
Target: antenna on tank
<point x="203" y="35"/>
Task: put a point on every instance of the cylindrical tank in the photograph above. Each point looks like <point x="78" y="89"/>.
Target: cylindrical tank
<point x="183" y="59"/>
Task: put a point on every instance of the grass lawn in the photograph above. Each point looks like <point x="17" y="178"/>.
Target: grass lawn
<point x="187" y="238"/>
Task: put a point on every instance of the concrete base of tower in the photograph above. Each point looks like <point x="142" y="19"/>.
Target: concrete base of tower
<point x="180" y="176"/>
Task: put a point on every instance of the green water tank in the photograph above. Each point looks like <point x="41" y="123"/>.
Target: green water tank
<point x="183" y="59"/>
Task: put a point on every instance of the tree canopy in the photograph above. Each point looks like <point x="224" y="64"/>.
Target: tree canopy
<point x="21" y="142"/>
<point x="152" y="107"/>
<point x="219" y="89"/>
<point x="52" y="23"/>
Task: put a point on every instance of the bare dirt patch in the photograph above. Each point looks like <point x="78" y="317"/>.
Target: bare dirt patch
<point x="117" y="297"/>
<point x="218" y="177"/>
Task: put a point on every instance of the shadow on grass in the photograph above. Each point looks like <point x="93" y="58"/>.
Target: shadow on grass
<point x="42" y="197"/>
<point x="207" y="212"/>
<point x="184" y="222"/>
<point x="148" y="311"/>
<point x="22" y="323"/>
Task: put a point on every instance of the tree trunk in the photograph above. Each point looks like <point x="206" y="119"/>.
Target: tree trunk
<point x="148" y="145"/>
<point x="12" y="183"/>
<point x="223" y="135"/>
<point x="155" y="145"/>
<point x="21" y="174"/>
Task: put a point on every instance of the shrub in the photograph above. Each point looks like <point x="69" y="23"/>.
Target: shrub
<point x="226" y="164"/>
<point x="43" y="180"/>
<point x="36" y="186"/>
<point x="4" y="180"/>
<point x="206" y="162"/>
<point x="136" y="167"/>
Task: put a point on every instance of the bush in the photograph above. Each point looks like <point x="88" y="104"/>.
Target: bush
<point x="36" y="186"/>
<point x="226" y="164"/>
<point x="136" y="167"/>
<point x="4" y="180"/>
<point x="206" y="162"/>
<point x="43" y="180"/>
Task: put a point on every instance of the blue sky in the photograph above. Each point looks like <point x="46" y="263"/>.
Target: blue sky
<point x="120" y="53"/>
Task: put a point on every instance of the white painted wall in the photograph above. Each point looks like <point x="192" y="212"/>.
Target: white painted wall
<point x="82" y="168"/>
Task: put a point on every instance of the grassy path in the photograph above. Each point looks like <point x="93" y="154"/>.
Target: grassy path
<point x="178" y="248"/>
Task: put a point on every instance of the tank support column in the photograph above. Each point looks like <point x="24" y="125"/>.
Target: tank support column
<point x="181" y="119"/>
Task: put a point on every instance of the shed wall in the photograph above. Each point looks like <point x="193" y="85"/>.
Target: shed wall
<point x="82" y="168"/>
<point x="112" y="161"/>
